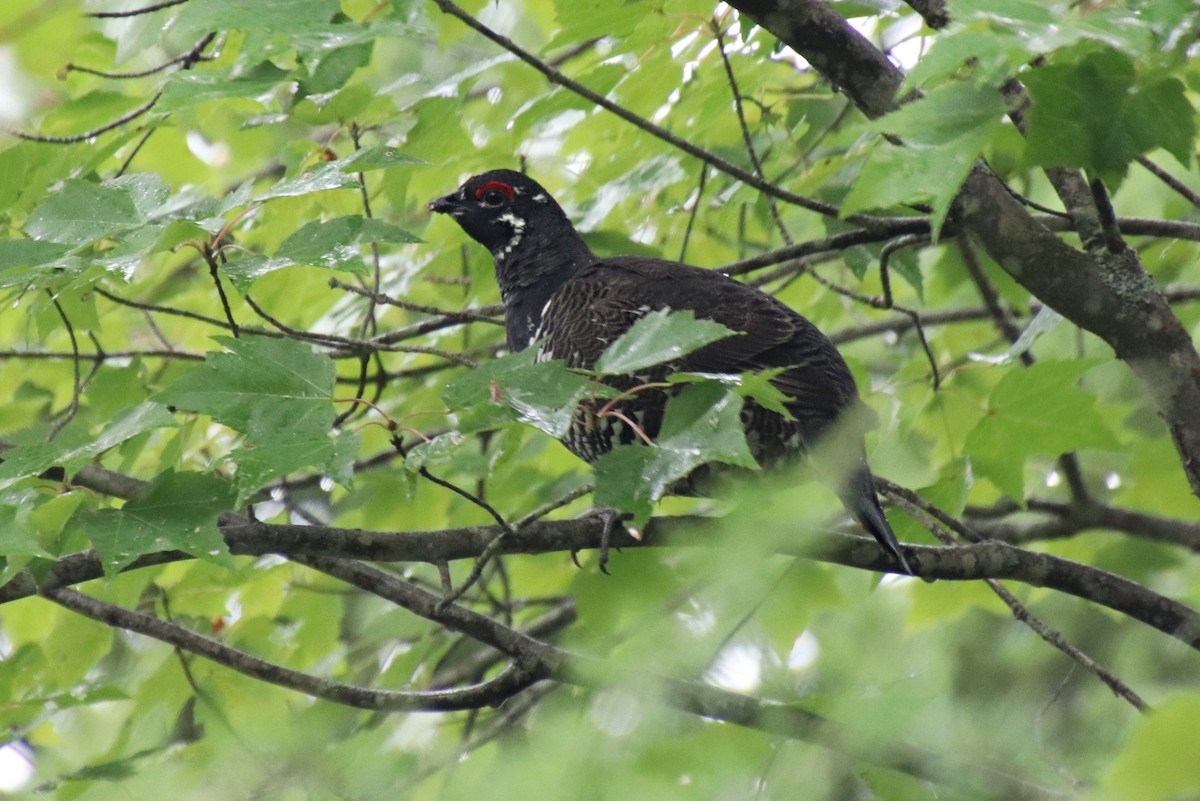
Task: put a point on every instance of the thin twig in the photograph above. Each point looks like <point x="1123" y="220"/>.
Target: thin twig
<point x="137" y="148"/>
<point x="151" y="307"/>
<point x="842" y="241"/>
<point x="484" y="314"/>
<point x="885" y="280"/>
<point x="746" y="138"/>
<point x="77" y="384"/>
<point x="545" y="509"/>
<point x="695" y="209"/>
<point x="472" y="666"/>
<point x="99" y="350"/>
<point x="187" y="60"/>
<point x="930" y="516"/>
<point x="1056" y="639"/>
<point x="310" y="336"/>
<point x="112" y="355"/>
<point x="1170" y="180"/>
<point x="1087" y="514"/>
<point x="884" y="304"/>
<point x="135" y="12"/>
<point x="369" y="325"/>
<point x="345" y="347"/>
<point x="210" y="257"/>
<point x="492" y="548"/>
<point x="86" y="135"/>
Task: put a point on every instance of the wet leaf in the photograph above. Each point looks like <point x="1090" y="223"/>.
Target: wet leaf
<point x="659" y="337"/>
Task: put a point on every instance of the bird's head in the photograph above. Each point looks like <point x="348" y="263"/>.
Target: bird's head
<point x="500" y="209"/>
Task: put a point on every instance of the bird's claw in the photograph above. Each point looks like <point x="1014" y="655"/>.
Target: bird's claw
<point x="609" y="517"/>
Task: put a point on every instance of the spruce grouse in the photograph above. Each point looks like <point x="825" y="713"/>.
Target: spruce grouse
<point x="571" y="304"/>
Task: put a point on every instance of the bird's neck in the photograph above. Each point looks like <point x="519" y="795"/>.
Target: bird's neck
<point x="529" y="274"/>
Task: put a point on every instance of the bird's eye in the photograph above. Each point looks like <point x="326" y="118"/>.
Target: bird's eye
<point x="494" y="193"/>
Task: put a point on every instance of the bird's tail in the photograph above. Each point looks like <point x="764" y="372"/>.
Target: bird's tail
<point x="862" y="502"/>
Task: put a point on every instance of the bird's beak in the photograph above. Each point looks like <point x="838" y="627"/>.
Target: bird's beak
<point x="446" y="205"/>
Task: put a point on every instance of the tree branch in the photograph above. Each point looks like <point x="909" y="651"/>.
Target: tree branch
<point x="969" y="562"/>
<point x="508" y="683"/>
<point x="1061" y="520"/>
<point x="839" y="52"/>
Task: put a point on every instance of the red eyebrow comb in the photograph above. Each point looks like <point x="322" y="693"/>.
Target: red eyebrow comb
<point x="490" y="185"/>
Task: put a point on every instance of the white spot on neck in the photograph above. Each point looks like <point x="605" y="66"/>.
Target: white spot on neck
<point x="518" y="226"/>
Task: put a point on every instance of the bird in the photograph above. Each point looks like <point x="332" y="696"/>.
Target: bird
<point x="570" y="304"/>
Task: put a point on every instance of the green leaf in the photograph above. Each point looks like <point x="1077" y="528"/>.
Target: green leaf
<point x="943" y="134"/>
<point x="980" y="52"/>
<point x="23" y="261"/>
<point x="649" y="176"/>
<point x="621" y="483"/>
<point x="1160" y="115"/>
<point x="542" y="394"/>
<point x="188" y="88"/>
<point x="334" y="66"/>
<point x="325" y="176"/>
<point x="179" y="511"/>
<point x="947" y="114"/>
<point x="754" y="385"/>
<point x="1042" y="28"/>
<point x="1159" y="763"/>
<point x="333" y="242"/>
<point x="658" y="337"/>
<point x="439" y="449"/>
<point x="377" y="157"/>
<point x="701" y="424"/>
<point x="330" y="244"/>
<point x="580" y="21"/>
<point x="1096" y="114"/>
<point x="277" y="17"/>
<point x="244" y="272"/>
<point x="18" y="535"/>
<point x="147" y="191"/>
<point x="1035" y="410"/>
<point x="277" y="448"/>
<point x="82" y="212"/>
<point x="257" y="375"/>
<point x="276" y="391"/>
<point x="34" y="454"/>
<point x="341" y="465"/>
<point x="758" y="387"/>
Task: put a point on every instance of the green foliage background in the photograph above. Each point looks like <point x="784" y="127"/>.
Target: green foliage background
<point x="304" y="148"/>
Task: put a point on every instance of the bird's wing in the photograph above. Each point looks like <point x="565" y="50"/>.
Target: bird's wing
<point x="773" y="335"/>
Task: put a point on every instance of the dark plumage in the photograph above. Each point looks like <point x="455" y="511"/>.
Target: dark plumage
<point x="572" y="304"/>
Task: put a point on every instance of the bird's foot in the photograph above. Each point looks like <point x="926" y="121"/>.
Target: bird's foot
<point x="610" y="518"/>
